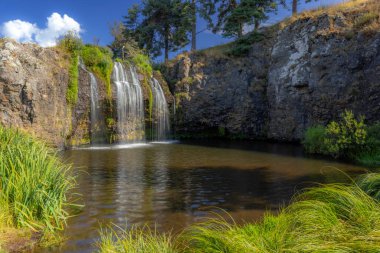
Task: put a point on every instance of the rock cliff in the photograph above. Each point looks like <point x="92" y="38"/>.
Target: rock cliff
<point x="33" y="87"/>
<point x="32" y="90"/>
<point x="302" y="72"/>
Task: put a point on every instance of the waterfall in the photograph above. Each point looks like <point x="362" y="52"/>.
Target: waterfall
<point x="97" y="135"/>
<point x="160" y="113"/>
<point x="130" y="104"/>
<point x="97" y="127"/>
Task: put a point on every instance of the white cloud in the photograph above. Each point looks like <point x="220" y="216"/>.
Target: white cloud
<point x="19" y="30"/>
<point x="56" y="27"/>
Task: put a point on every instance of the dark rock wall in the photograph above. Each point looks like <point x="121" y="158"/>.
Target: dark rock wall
<point x="307" y="73"/>
<point x="314" y="77"/>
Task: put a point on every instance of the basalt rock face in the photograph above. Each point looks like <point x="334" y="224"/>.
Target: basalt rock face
<point x="316" y="74"/>
<point x="305" y="73"/>
<point x="33" y="86"/>
<point x="221" y="94"/>
<point x="32" y="91"/>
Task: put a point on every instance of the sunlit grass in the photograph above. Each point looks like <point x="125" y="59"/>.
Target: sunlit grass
<point x="136" y="240"/>
<point x="329" y="218"/>
<point x="370" y="183"/>
<point x="33" y="184"/>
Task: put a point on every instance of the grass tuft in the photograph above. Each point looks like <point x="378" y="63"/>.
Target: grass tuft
<point x="329" y="218"/>
<point x="33" y="184"/>
<point x="370" y="183"/>
<point x="135" y="240"/>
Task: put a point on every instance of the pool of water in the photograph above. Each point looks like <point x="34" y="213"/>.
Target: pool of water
<point x="171" y="185"/>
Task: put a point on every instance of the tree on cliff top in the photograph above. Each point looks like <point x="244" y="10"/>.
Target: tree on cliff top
<point x="205" y="9"/>
<point x="159" y="24"/>
<point x="247" y="13"/>
<point x="295" y="5"/>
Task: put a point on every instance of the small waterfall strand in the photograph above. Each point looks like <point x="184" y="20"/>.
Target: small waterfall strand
<point x="160" y="117"/>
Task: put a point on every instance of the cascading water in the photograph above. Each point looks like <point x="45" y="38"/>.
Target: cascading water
<point x="160" y="117"/>
<point x="97" y="134"/>
<point x="130" y="104"/>
<point x="97" y="129"/>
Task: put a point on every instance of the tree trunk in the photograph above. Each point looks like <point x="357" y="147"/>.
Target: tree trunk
<point x="294" y="7"/>
<point x="166" y="42"/>
<point x="257" y="24"/>
<point x="194" y="27"/>
<point x="240" y="32"/>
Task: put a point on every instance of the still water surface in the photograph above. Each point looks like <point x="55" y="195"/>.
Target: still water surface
<point x="169" y="186"/>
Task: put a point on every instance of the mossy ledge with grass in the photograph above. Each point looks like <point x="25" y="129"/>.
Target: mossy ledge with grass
<point x="97" y="59"/>
<point x="34" y="186"/>
<point x="327" y="218"/>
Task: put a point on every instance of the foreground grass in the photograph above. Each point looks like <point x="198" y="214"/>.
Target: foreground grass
<point x="33" y="187"/>
<point x="329" y="218"/>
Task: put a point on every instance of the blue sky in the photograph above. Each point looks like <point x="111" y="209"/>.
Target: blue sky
<point x="96" y="16"/>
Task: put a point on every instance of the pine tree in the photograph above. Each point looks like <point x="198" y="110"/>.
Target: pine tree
<point x="225" y="8"/>
<point x="247" y="13"/>
<point x="160" y="24"/>
<point x="205" y="9"/>
<point x="295" y="5"/>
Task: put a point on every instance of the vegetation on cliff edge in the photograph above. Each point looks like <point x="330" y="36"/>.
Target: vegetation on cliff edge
<point x="96" y="59"/>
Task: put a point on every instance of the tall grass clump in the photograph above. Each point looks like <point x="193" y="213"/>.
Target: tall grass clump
<point x="328" y="218"/>
<point x="370" y="183"/>
<point x="136" y="240"/>
<point x="332" y="218"/>
<point x="34" y="183"/>
<point x="221" y="235"/>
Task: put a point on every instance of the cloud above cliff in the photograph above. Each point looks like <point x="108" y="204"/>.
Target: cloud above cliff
<point x="56" y="26"/>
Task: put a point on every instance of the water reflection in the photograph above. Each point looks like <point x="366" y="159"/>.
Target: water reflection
<point x="171" y="186"/>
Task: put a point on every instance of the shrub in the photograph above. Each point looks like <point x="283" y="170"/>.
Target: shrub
<point x="99" y="61"/>
<point x="34" y="182"/>
<point x="142" y="62"/>
<point x="314" y="140"/>
<point x="243" y="45"/>
<point x="347" y="137"/>
<point x="70" y="43"/>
